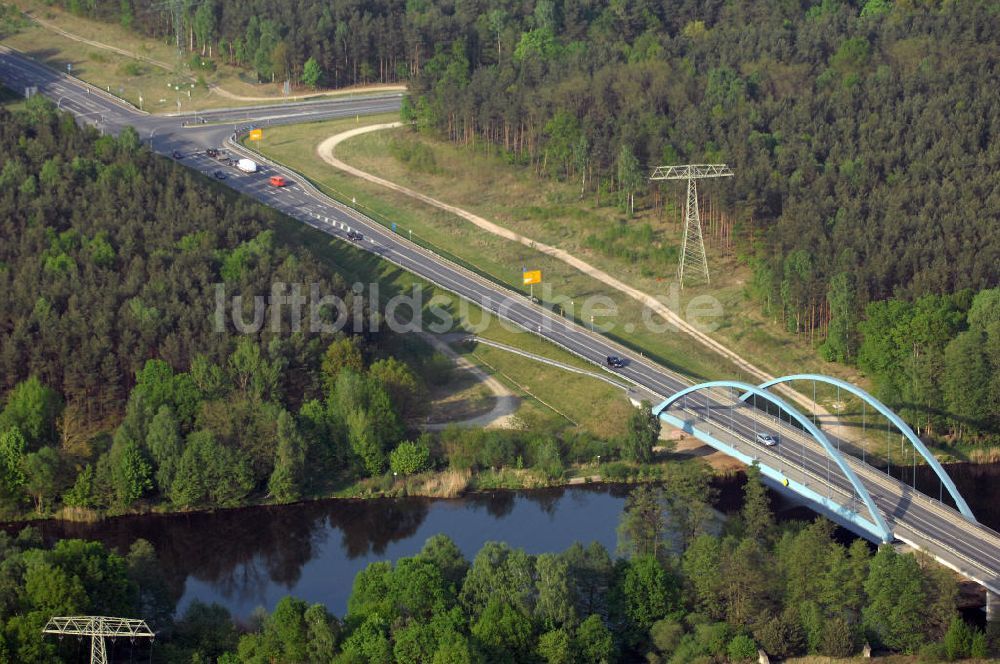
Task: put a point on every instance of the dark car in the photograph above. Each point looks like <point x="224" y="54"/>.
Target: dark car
<point x="212" y="152"/>
<point x="219" y="175"/>
<point x="178" y="154"/>
<point x="356" y="236"/>
<point x="615" y="362"/>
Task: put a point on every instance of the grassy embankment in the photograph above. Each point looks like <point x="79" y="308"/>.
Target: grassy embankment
<point x="546" y="404"/>
<point x="552" y="212"/>
<point x="129" y="77"/>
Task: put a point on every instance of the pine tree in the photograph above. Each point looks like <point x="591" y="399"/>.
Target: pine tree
<point x="758" y="521"/>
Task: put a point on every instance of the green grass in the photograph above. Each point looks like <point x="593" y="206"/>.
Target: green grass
<point x="591" y="404"/>
<point x="129" y="77"/>
<point x="641" y="251"/>
<point x="497" y="258"/>
<point x="549" y="212"/>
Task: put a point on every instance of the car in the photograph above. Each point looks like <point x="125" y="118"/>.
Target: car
<point x="356" y="236"/>
<point x="219" y="175"/>
<point x="615" y="362"/>
<point x="767" y="439"/>
<point x="212" y="152"/>
<point x="277" y="181"/>
<point x="178" y="154"/>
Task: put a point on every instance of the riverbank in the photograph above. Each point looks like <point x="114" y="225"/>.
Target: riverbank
<point x="442" y="484"/>
<point x="977" y="482"/>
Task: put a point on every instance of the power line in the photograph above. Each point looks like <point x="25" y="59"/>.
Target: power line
<point x="693" y="257"/>
<point x="97" y="628"/>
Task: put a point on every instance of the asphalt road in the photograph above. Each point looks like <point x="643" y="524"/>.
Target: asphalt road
<point x="915" y="518"/>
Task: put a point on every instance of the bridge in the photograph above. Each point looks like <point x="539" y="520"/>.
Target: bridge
<point x="808" y="462"/>
<point x="814" y="466"/>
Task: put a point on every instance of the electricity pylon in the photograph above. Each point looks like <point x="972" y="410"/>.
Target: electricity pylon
<point x="98" y="627"/>
<point x="693" y="256"/>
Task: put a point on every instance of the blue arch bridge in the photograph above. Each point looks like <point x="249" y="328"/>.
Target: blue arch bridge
<point x="803" y="456"/>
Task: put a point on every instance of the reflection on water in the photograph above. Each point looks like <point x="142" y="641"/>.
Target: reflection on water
<point x="253" y="557"/>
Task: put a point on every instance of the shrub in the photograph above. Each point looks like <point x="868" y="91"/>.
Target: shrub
<point x="742" y="648"/>
<point x="546" y="457"/>
<point x="615" y="472"/>
<point x="931" y="653"/>
<point x="409" y="458"/>
<point x="957" y="640"/>
<point x="666" y="635"/>
<point x="417" y="156"/>
<point x="837" y="639"/>
<point x="978" y="649"/>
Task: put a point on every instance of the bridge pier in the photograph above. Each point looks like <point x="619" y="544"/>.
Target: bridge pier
<point x="992" y="606"/>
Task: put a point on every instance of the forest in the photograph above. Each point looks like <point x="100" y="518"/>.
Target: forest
<point x="674" y="591"/>
<point x="118" y="393"/>
<point x="863" y="144"/>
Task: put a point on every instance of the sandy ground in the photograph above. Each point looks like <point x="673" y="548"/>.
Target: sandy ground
<point x="500" y="416"/>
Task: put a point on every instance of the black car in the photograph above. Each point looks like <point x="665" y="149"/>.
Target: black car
<point x="212" y="152"/>
<point x="615" y="362"/>
<point x="219" y="175"/>
<point x="178" y="154"/>
<point x="356" y="236"/>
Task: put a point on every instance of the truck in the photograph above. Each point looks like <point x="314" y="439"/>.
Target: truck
<point x="247" y="165"/>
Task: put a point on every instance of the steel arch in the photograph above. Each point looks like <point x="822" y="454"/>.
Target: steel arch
<point x="903" y="427"/>
<point x="859" y="487"/>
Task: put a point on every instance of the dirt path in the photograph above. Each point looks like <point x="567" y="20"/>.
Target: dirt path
<point x="326" y="151"/>
<point x="500" y="417"/>
<point x="213" y="88"/>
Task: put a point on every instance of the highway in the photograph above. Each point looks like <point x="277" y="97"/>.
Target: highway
<point x="916" y="519"/>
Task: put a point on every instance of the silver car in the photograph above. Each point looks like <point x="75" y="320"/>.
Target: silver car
<point x="767" y="439"/>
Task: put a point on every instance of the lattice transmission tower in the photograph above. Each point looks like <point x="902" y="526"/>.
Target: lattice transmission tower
<point x="693" y="261"/>
<point x="98" y="628"/>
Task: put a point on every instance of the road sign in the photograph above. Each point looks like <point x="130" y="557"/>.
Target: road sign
<point x="256" y="134"/>
<point x="532" y="277"/>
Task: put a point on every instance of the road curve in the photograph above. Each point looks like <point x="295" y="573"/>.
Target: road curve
<point x="941" y="531"/>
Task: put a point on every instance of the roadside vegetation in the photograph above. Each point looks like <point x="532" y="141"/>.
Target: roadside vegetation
<point x="121" y="394"/>
<point x="494" y="257"/>
<point x="603" y="95"/>
<point x="671" y="592"/>
<point x="130" y="65"/>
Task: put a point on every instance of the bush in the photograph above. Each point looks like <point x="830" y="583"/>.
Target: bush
<point x="931" y="653"/>
<point x="837" y="639"/>
<point x="130" y="69"/>
<point x="498" y="450"/>
<point x="666" y="635"/>
<point x="584" y="448"/>
<point x="460" y="447"/>
<point x="547" y="461"/>
<point x="781" y="636"/>
<point x="409" y="458"/>
<point x="979" y="649"/>
<point x="742" y="648"/>
<point x="957" y="640"/>
<point x="615" y="472"/>
<point x="713" y="637"/>
<point x="416" y="155"/>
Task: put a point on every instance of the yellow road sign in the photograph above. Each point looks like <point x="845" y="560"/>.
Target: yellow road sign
<point x="256" y="134"/>
<point x="532" y="277"/>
